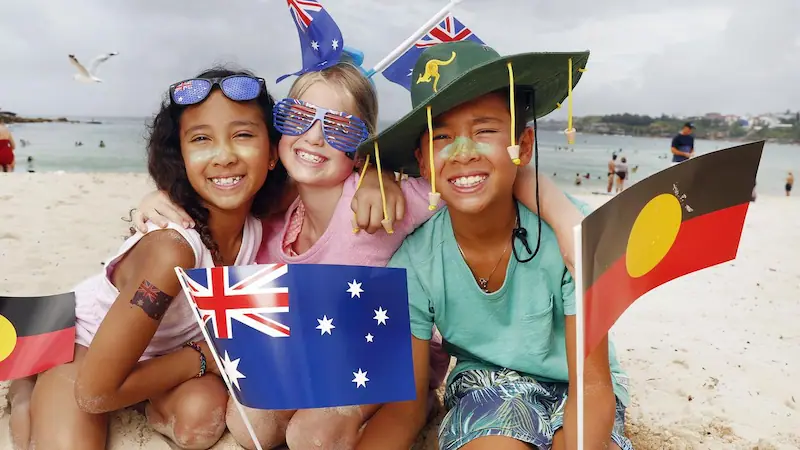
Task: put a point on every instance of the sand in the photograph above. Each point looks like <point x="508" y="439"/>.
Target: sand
<point x="714" y="357"/>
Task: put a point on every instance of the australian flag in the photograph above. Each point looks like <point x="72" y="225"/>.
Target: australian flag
<point x="448" y="30"/>
<point x="321" y="40"/>
<point x="296" y="336"/>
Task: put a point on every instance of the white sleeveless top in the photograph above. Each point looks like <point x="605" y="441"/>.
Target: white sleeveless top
<point x="95" y="295"/>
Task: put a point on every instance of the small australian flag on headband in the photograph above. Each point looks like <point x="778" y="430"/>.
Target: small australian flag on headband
<point x="296" y="336"/>
<point x="321" y="41"/>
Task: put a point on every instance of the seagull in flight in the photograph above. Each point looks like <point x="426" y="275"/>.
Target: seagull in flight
<point x="89" y="76"/>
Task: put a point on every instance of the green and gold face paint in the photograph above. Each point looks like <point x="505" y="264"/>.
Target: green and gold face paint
<point x="464" y="146"/>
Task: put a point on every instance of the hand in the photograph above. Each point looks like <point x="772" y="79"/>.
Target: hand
<point x="158" y="208"/>
<point x="211" y="363"/>
<point x="367" y="204"/>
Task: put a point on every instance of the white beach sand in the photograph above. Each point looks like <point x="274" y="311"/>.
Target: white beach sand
<point x="714" y="357"/>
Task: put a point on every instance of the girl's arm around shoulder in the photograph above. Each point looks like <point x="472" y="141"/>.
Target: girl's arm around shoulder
<point x="396" y="425"/>
<point x="556" y="209"/>
<point x="110" y="377"/>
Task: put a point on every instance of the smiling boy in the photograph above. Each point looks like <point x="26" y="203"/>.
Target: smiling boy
<point x="486" y="271"/>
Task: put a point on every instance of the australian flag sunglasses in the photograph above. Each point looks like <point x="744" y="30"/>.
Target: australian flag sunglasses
<point x="344" y="132"/>
<point x="239" y="88"/>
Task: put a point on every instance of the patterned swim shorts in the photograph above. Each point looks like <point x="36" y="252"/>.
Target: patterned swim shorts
<point x="504" y="403"/>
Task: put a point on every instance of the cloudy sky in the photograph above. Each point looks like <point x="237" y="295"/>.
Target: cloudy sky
<point x="676" y="57"/>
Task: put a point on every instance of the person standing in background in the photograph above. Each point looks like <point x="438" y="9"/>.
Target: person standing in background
<point x="6" y="149"/>
<point x="611" y="171"/>
<point x="683" y="144"/>
<point x="789" y="184"/>
<point x="621" y="170"/>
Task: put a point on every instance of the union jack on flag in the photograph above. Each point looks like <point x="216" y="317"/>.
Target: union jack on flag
<point x="184" y="85"/>
<point x="301" y="11"/>
<point x="251" y="295"/>
<point x="448" y="30"/>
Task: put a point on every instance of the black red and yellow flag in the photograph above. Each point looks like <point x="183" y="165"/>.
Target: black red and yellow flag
<point x="675" y="222"/>
<point x="36" y="333"/>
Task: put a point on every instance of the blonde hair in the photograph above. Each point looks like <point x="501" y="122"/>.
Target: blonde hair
<point x="348" y="78"/>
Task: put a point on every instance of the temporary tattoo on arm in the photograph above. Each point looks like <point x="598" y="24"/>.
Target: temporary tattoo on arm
<point x="152" y="300"/>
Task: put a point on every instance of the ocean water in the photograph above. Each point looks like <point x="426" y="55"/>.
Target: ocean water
<point x="52" y="147"/>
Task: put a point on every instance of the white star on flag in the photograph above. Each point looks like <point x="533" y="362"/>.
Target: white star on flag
<point x="335" y="44"/>
<point x="410" y="72"/>
<point x="369" y="337"/>
<point x="232" y="370"/>
<point x="360" y="378"/>
<point x="325" y="325"/>
<point x="354" y="289"/>
<point x="315" y="45"/>
<point x="380" y="315"/>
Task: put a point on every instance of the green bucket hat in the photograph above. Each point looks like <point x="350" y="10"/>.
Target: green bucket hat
<point x="449" y="74"/>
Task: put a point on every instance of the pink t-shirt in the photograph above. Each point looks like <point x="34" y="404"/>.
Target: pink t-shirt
<point x="339" y="245"/>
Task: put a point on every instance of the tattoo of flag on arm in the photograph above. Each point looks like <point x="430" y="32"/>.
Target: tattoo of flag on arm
<point x="153" y="301"/>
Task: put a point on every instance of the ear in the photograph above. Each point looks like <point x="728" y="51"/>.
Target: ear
<point x="358" y="160"/>
<point x="526" y="142"/>
<point x="273" y="156"/>
<point x="424" y="170"/>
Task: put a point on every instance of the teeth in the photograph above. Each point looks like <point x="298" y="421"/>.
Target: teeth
<point x="468" y="181"/>
<point x="309" y="157"/>
<point x="226" y="181"/>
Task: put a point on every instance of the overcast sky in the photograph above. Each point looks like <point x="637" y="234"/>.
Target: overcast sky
<point x="676" y="57"/>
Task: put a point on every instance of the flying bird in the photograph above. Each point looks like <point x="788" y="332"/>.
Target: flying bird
<point x="89" y="76"/>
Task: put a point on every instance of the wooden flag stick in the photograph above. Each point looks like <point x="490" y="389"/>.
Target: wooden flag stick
<point x="579" y="328"/>
<point x="188" y="294"/>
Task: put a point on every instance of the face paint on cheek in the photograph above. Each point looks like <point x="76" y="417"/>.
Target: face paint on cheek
<point x="203" y="155"/>
<point x="464" y="146"/>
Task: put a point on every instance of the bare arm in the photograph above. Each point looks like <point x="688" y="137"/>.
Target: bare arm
<point x="368" y="206"/>
<point x="111" y="376"/>
<point x="396" y="425"/>
<point x="675" y="151"/>
<point x="598" y="395"/>
<point x="556" y="209"/>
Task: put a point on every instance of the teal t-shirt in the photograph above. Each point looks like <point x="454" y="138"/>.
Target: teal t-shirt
<point x="519" y="327"/>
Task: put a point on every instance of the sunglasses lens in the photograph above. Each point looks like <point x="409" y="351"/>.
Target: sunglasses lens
<point x="292" y="118"/>
<point x="241" y="89"/>
<point x="344" y="132"/>
<point x="190" y="92"/>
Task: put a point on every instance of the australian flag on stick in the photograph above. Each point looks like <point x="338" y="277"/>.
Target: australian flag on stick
<point x="448" y="30"/>
<point x="296" y="336"/>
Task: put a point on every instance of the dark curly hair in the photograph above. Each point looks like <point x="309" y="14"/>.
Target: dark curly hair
<point x="168" y="171"/>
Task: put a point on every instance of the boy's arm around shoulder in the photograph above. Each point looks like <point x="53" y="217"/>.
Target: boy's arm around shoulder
<point x="557" y="209"/>
<point x="396" y="425"/>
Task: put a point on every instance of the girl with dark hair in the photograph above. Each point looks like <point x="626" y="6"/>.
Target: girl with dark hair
<point x="212" y="148"/>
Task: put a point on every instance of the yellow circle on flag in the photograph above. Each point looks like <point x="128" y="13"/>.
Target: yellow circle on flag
<point x="8" y="338"/>
<point x="653" y="234"/>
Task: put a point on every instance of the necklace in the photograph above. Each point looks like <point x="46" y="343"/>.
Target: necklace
<point x="483" y="283"/>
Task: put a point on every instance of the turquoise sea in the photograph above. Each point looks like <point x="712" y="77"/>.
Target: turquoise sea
<point x="52" y="146"/>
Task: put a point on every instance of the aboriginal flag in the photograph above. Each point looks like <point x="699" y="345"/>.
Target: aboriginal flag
<point x="675" y="222"/>
<point x="36" y="333"/>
